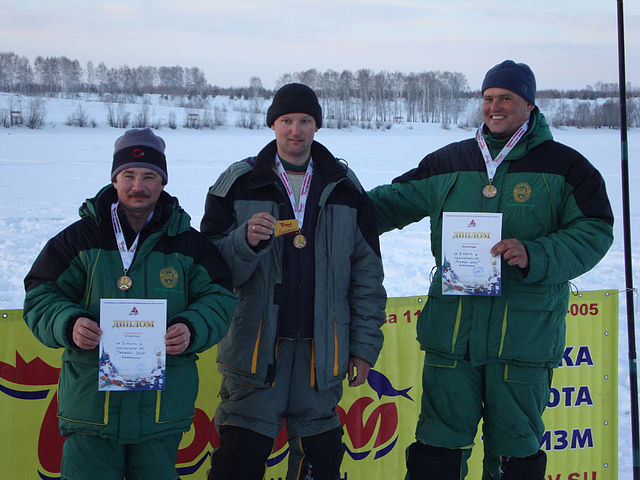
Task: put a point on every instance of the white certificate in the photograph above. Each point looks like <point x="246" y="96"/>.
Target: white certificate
<point x="132" y="348"/>
<point x="468" y="268"/>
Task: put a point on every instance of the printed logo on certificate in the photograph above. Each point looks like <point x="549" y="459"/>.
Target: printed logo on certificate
<point x="468" y="268"/>
<point x="132" y="349"/>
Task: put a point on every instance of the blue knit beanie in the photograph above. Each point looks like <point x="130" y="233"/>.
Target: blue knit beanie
<point x="513" y="76"/>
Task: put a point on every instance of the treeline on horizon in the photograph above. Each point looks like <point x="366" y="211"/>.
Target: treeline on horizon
<point x="347" y="97"/>
<point x="48" y="75"/>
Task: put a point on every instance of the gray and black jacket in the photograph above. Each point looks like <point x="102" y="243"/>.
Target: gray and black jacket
<point x="330" y="291"/>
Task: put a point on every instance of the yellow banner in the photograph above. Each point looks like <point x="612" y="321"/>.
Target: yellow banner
<point x="379" y="417"/>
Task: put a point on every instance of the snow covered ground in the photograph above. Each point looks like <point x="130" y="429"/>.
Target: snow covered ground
<point x="46" y="174"/>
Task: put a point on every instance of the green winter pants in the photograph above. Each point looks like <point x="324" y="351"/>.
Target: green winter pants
<point x="88" y="457"/>
<point x="508" y="398"/>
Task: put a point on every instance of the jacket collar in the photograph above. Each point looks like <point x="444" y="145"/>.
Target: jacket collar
<point x="537" y="134"/>
<point x="325" y="166"/>
<point x="167" y="214"/>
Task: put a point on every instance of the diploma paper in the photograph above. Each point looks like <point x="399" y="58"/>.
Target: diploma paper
<point x="468" y="268"/>
<point x="132" y="349"/>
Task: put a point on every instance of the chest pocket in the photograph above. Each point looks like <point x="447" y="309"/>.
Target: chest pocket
<point x="529" y="204"/>
<point x="244" y="209"/>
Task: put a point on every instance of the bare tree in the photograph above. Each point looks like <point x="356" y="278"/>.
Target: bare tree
<point x="308" y="77"/>
<point x="36" y="113"/>
<point x="146" y="78"/>
<point x="90" y="74"/>
<point x="117" y="115"/>
<point x="80" y="118"/>
<point x="364" y="82"/>
<point x="397" y="81"/>
<point x="142" y="118"/>
<point x="101" y="78"/>
<point x="126" y="80"/>
<point x="255" y="85"/>
<point x="15" y="73"/>
<point x="284" y="79"/>
<point x="48" y="73"/>
<point x="70" y="73"/>
<point x="171" y="79"/>
<point x="194" y="81"/>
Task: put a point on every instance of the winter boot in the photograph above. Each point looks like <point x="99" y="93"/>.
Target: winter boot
<point x="242" y="454"/>
<point x="527" y="468"/>
<point x="426" y="462"/>
<point x="320" y="456"/>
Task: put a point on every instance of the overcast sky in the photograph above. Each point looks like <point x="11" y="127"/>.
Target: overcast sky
<point x="567" y="43"/>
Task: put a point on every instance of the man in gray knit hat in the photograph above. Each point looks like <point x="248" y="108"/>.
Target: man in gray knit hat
<point x="490" y="349"/>
<point x="132" y="243"/>
<point x="298" y="233"/>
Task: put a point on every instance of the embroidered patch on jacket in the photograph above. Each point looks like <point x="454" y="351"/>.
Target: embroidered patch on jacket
<point x="168" y="277"/>
<point x="521" y="192"/>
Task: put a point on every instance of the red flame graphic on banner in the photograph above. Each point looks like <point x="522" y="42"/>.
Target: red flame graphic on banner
<point x="360" y="433"/>
<point x="36" y="372"/>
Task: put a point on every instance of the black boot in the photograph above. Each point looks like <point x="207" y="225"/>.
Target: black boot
<point x="242" y="455"/>
<point x="527" y="468"/>
<point x="321" y="456"/>
<point x="426" y="462"/>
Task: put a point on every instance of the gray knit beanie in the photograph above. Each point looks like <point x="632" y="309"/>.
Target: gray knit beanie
<point x="139" y="148"/>
<point x="513" y="76"/>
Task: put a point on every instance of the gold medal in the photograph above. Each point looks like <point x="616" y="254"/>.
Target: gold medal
<point x="124" y="282"/>
<point x="489" y="191"/>
<point x="299" y="241"/>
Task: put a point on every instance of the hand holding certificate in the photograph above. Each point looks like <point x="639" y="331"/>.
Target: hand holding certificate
<point x="468" y="267"/>
<point x="132" y="346"/>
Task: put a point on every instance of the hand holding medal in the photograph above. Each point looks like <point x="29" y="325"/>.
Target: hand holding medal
<point x="287" y="228"/>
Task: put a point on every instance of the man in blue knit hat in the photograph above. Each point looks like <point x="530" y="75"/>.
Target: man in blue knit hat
<point x="490" y="355"/>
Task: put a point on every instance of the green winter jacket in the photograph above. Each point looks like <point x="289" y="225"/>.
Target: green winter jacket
<point x="552" y="200"/>
<point x="347" y="296"/>
<point x="80" y="266"/>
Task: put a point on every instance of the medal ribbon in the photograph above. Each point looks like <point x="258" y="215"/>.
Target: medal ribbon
<point x="492" y="164"/>
<point x="298" y="210"/>
<point x="125" y="254"/>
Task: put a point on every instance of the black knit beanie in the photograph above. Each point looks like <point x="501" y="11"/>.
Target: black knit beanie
<point x="294" y="98"/>
<point x="139" y="148"/>
<point x="513" y="76"/>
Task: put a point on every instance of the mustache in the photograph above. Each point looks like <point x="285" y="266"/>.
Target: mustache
<point x="139" y="195"/>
